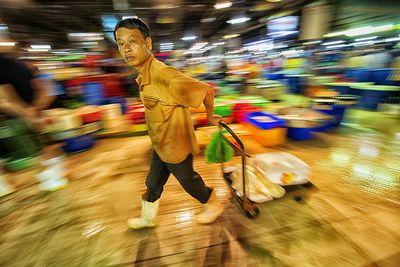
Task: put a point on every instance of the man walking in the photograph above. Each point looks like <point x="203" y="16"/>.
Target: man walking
<point x="167" y="95"/>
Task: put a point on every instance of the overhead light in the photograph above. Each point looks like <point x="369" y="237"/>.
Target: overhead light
<point x="262" y="45"/>
<point x="362" y="30"/>
<point x="165" y="20"/>
<point x="196" y="5"/>
<point x="334" y="43"/>
<point x="359" y="31"/>
<point x="238" y="20"/>
<point x="222" y="5"/>
<point x="41" y="47"/>
<point x="312" y="42"/>
<point x="281" y="33"/>
<point x="366" y="38"/>
<point x="166" y="44"/>
<point x="229" y="36"/>
<point x="167" y="6"/>
<point x="189" y="38"/>
<point x="207" y="20"/>
<point x="394" y="39"/>
<point x="129" y="17"/>
<point x="85" y="36"/>
<point x="364" y="43"/>
<point x="334" y="34"/>
<point x="3" y="27"/>
<point x="274" y="1"/>
<point x="37" y="50"/>
<point x="7" y="43"/>
<point x="217" y="44"/>
<point x="198" y="48"/>
<point x="280" y="46"/>
<point x="368" y="30"/>
<point x="336" y="46"/>
<point x="261" y="7"/>
<point x="199" y="45"/>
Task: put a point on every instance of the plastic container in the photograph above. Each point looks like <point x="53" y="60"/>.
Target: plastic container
<point x="18" y="141"/>
<point x="93" y="93"/>
<point x="138" y="127"/>
<point x="20" y="164"/>
<point x="80" y="143"/>
<point x="275" y="76"/>
<point x="223" y="110"/>
<point x="283" y="168"/>
<point x="118" y="100"/>
<point x="265" y="120"/>
<point x="113" y="88"/>
<point x="300" y="134"/>
<point x="239" y="114"/>
<point x="266" y="129"/>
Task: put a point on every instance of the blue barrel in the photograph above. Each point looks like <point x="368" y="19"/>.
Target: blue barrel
<point x="93" y="93"/>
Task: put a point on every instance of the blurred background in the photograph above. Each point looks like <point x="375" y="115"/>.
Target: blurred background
<point x="317" y="79"/>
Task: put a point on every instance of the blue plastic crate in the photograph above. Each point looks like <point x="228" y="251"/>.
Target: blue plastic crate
<point x="277" y="122"/>
<point x="93" y="93"/>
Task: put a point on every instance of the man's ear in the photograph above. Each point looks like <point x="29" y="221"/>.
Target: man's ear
<point x="149" y="43"/>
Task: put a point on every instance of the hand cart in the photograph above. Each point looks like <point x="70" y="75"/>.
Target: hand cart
<point x="249" y="208"/>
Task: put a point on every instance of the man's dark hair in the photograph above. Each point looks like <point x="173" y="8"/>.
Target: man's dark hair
<point x="133" y="23"/>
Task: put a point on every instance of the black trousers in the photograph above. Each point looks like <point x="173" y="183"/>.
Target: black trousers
<point x="190" y="180"/>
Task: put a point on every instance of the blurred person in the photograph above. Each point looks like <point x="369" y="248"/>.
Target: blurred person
<point x="23" y="96"/>
<point x="167" y="95"/>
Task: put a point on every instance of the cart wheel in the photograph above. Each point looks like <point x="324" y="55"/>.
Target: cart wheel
<point x="252" y="213"/>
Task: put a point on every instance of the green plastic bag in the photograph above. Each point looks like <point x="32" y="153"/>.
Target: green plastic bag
<point x="218" y="144"/>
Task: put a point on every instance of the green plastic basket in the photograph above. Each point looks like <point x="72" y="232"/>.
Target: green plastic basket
<point x="20" y="164"/>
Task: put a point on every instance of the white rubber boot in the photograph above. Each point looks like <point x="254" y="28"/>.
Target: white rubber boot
<point x="52" y="178"/>
<point x="148" y="217"/>
<point x="212" y="210"/>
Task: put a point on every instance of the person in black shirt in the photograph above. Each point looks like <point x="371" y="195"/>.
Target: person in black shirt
<point x="20" y="93"/>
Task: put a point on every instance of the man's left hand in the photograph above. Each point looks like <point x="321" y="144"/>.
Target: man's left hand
<point x="214" y="119"/>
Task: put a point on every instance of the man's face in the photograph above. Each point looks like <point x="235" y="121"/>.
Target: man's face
<point x="133" y="48"/>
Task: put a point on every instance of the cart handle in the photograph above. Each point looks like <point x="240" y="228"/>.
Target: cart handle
<point x="224" y="125"/>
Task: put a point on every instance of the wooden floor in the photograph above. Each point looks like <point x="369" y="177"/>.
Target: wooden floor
<point x="351" y="217"/>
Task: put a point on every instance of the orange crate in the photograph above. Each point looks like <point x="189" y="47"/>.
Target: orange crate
<point x="270" y="137"/>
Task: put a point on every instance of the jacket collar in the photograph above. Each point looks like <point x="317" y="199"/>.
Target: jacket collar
<point x="144" y="77"/>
